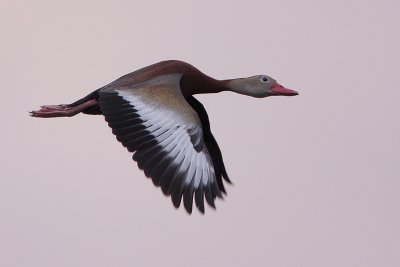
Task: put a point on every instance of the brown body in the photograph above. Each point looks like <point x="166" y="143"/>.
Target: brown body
<point x="192" y="82"/>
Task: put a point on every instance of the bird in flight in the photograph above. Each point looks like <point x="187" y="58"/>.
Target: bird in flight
<point x="153" y="113"/>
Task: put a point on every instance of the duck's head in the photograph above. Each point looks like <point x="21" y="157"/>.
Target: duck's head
<point x="259" y="86"/>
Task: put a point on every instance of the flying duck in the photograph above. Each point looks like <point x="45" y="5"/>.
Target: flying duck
<point x="153" y="113"/>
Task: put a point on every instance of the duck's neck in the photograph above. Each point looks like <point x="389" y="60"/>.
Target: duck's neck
<point x="200" y="83"/>
<point x="194" y="82"/>
<point x="238" y="86"/>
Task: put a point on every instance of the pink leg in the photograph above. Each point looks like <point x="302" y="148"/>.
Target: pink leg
<point x="52" y="111"/>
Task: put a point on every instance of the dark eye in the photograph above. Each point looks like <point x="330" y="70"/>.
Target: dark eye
<point x="265" y="79"/>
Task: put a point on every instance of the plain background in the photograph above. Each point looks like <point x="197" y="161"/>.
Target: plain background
<point x="316" y="177"/>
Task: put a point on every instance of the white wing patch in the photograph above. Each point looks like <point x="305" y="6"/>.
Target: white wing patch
<point x="173" y="137"/>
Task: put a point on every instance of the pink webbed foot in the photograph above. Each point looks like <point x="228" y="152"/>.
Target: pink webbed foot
<point x="55" y="107"/>
<point x="49" y="111"/>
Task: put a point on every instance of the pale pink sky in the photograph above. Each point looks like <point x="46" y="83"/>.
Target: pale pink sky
<point x="316" y="177"/>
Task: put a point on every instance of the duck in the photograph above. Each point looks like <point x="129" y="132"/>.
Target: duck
<point x="154" y="114"/>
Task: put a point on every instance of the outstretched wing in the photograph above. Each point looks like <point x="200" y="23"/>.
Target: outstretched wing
<point x="154" y="120"/>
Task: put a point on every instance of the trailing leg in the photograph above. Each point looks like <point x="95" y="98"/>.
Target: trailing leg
<point x="87" y="105"/>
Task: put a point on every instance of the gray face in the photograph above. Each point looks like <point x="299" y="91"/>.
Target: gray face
<point x="256" y="86"/>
